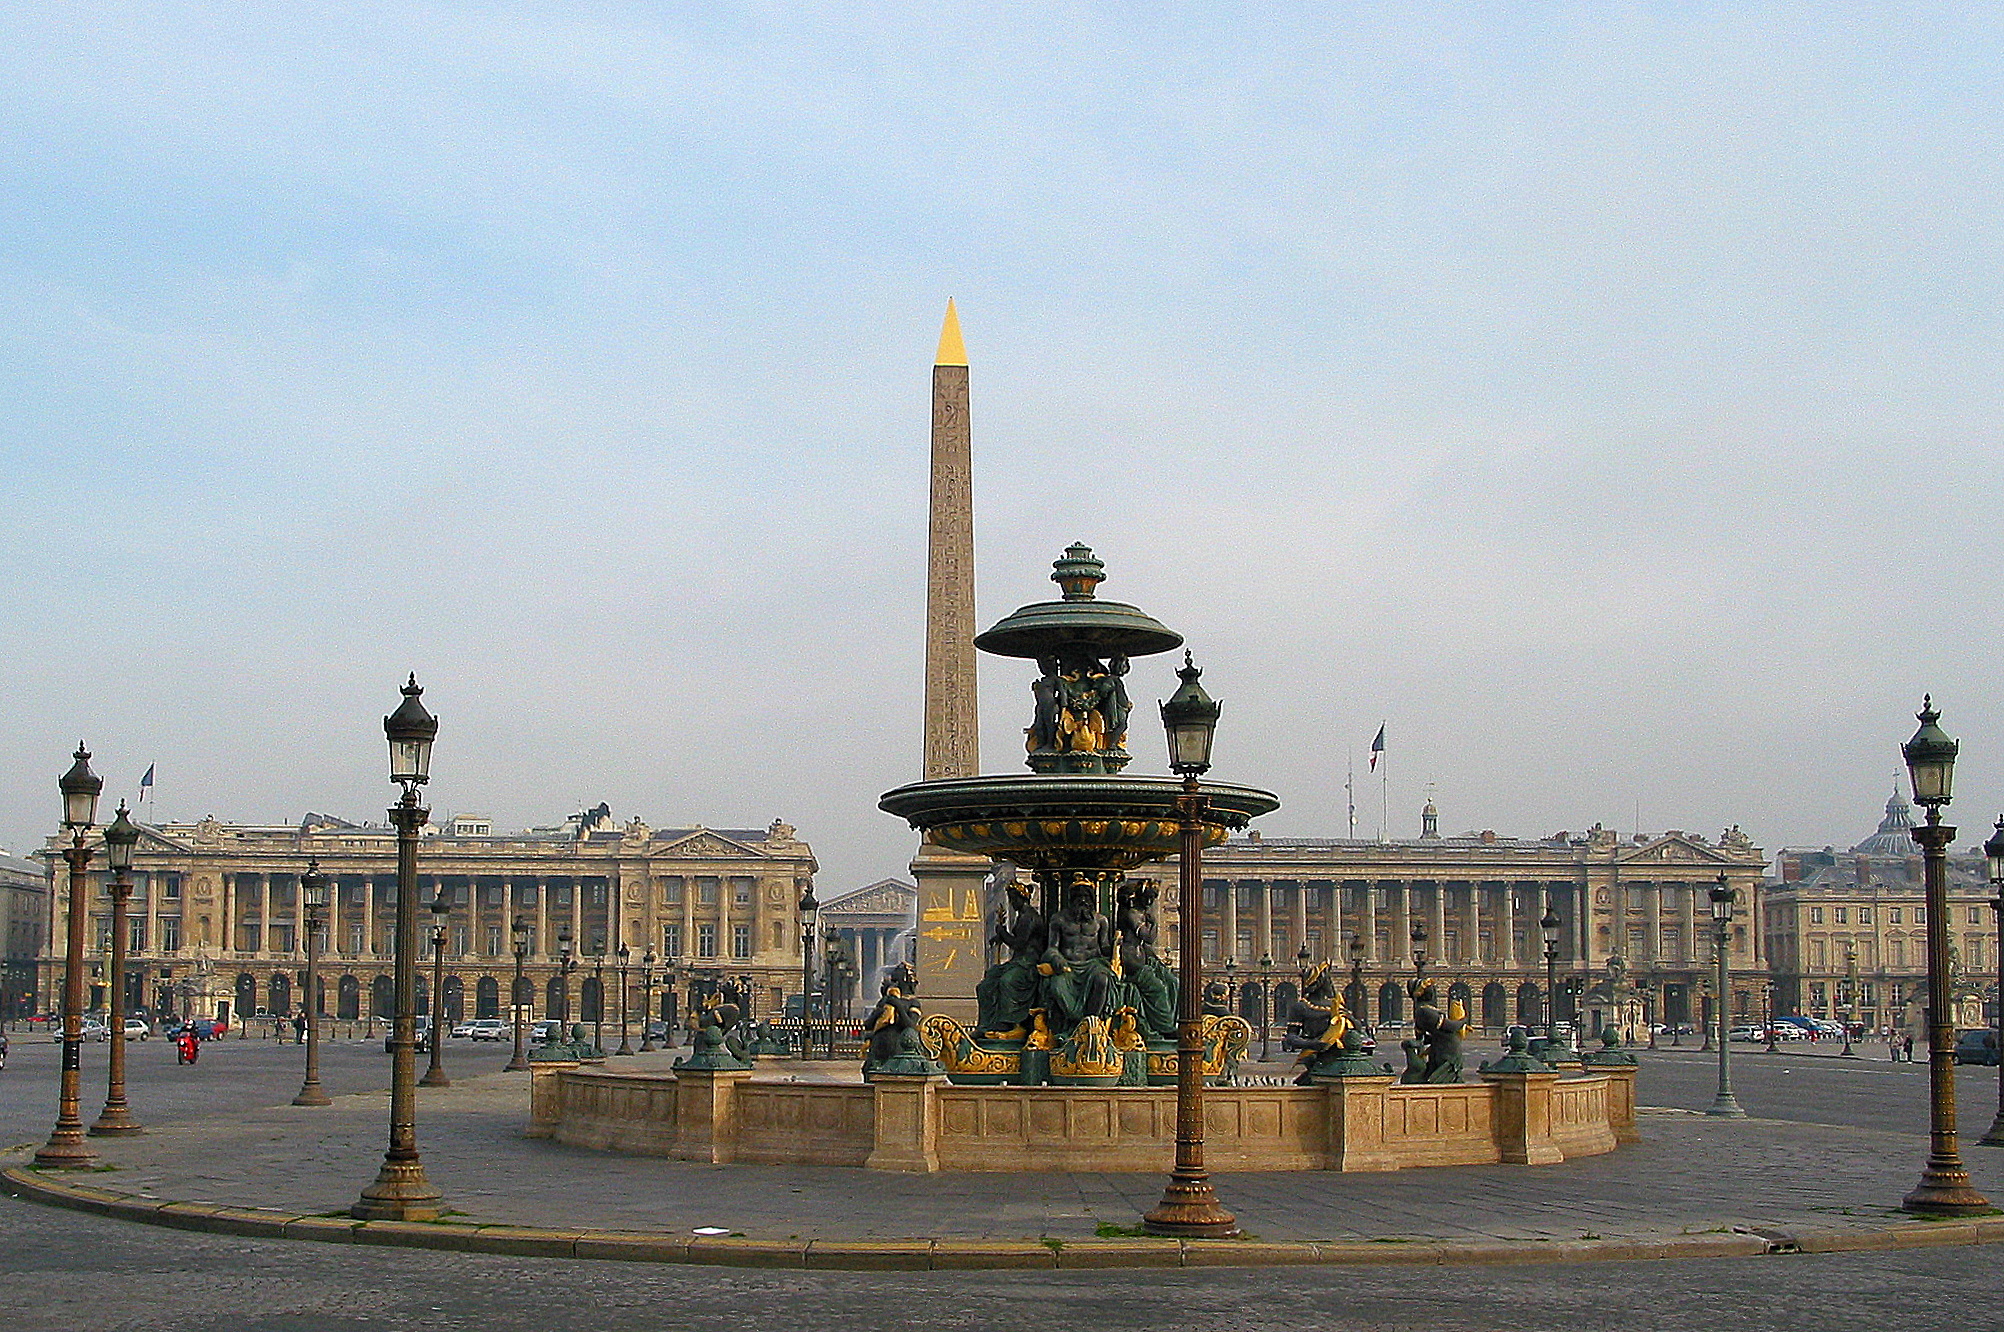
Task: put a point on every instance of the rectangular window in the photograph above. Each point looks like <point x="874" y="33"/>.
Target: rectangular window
<point x="1920" y="915"/>
<point x="1897" y="950"/>
<point x="170" y="934"/>
<point x="671" y="890"/>
<point x="598" y="894"/>
<point x="1816" y="915"/>
<point x="1864" y="915"/>
<point x="1976" y="915"/>
<point x="560" y="895"/>
<point x="741" y="892"/>
<point x="1842" y="916"/>
<point x="136" y="941"/>
<point x="462" y="940"/>
<point x="740" y="941"/>
<point x="706" y="940"/>
<point x="281" y="938"/>
<point x="671" y="940"/>
<point x="493" y="941"/>
<point x="172" y="887"/>
<point x="354" y="941"/>
<point x="1893" y="915"/>
<point x="706" y="892"/>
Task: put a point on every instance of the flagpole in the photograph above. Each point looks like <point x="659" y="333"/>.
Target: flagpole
<point x="1350" y="789"/>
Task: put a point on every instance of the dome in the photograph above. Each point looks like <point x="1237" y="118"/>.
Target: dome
<point x="1895" y="834"/>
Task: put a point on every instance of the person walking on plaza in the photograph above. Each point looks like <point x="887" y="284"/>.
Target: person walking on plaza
<point x="299" y="1027"/>
<point x="1908" y="1046"/>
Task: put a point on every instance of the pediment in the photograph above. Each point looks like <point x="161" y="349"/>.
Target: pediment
<point x="1674" y="849"/>
<point x="888" y="897"/>
<point x="706" y="845"/>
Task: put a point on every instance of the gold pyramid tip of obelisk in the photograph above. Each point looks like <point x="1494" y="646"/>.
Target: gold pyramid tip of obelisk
<point x="952" y="351"/>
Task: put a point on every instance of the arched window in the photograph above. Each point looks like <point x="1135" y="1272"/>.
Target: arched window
<point x="487" y="998"/>
<point x="1391" y="1003"/>
<point x="591" y="1000"/>
<point x="455" y="1000"/>
<point x="1530" y="1008"/>
<point x="246" y="995"/>
<point x="278" y="991"/>
<point x="348" y="999"/>
<point x="382" y="998"/>
<point x="1495" y="1005"/>
<point x="553" y="1000"/>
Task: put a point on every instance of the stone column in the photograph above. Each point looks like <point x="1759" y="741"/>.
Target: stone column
<point x="368" y="915"/>
<point x="1301" y="891"/>
<point x="1369" y="923"/>
<point x="1402" y="921"/>
<point x="1652" y="923"/>
<point x="1439" y="922"/>
<point x="1264" y="887"/>
<point x="578" y="941"/>
<point x="1228" y="933"/>
<point x="1687" y="920"/>
<point x="1507" y="927"/>
<point x="537" y="886"/>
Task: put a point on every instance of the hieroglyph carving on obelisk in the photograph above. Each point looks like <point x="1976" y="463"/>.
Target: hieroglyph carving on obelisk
<point x="951" y="748"/>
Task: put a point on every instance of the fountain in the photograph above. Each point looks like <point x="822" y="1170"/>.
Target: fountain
<point x="1084" y="996"/>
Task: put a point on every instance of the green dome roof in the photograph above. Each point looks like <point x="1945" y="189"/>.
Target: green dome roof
<point x="1079" y="621"/>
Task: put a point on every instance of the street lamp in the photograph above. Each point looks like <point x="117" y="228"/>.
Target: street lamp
<point x="1767" y="1015"/>
<point x="313" y="890"/>
<point x="1647" y="988"/>
<point x="567" y="962"/>
<point x="624" y="953"/>
<point x="1704" y="995"/>
<point x="1722" y="896"/>
<point x="1265" y="1007"/>
<point x="434" y="1075"/>
<point x="1993" y="851"/>
<point x="1850" y="995"/>
<point x="647" y="961"/>
<point x="1548" y="925"/>
<point x="808" y="906"/>
<point x="1419" y="951"/>
<point x="1189" y="1206"/>
<point x="401" y="1191"/>
<point x="66" y="1149"/>
<point x="598" y="987"/>
<point x="1944" y="1186"/>
<point x="516" y="997"/>
<point x="1357" y="978"/>
<point x="116" y="1119"/>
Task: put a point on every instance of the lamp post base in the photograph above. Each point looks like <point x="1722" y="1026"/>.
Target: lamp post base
<point x="1944" y="1190"/>
<point x="1725" y="1107"/>
<point x="1995" y="1137"/>
<point x="116" y="1121"/>
<point x="66" y="1150"/>
<point x="1190" y="1210"/>
<point x="624" y="1049"/>
<point x="312" y="1093"/>
<point x="434" y="1077"/>
<point x="401" y="1193"/>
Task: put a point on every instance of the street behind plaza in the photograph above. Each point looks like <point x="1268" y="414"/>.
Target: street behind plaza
<point x="71" y="1270"/>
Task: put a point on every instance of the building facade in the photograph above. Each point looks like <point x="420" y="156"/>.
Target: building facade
<point x="1847" y="930"/>
<point x="218" y="921"/>
<point x="24" y="916"/>
<point x="874" y="928"/>
<point x="1635" y="936"/>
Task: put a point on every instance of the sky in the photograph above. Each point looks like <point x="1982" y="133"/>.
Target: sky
<point x="1602" y="397"/>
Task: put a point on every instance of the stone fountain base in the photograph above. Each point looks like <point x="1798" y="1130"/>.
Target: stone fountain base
<point x="926" y="1124"/>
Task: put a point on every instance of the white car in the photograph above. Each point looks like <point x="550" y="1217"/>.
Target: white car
<point x="137" y="1029"/>
<point x="96" y="1029"/>
<point x="486" y="1029"/>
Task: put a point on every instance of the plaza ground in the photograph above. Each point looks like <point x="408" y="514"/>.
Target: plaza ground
<point x="1833" y="1145"/>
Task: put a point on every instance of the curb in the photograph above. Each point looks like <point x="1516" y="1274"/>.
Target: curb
<point x="919" y="1255"/>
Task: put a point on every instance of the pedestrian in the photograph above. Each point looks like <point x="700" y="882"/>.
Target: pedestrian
<point x="1909" y="1047"/>
<point x="299" y="1027"/>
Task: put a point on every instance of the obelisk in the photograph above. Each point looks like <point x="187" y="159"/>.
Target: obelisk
<point x="951" y="914"/>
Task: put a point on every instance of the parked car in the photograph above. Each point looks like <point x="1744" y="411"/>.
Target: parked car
<point x="487" y="1029"/>
<point x="206" y="1029"/>
<point x="549" y="1029"/>
<point x="1976" y="1046"/>
<point x="96" y="1029"/>
<point x="137" y="1029"/>
<point x="1749" y="1033"/>
<point x="423" y="1034"/>
<point x="661" y="1033"/>
<point x="463" y="1030"/>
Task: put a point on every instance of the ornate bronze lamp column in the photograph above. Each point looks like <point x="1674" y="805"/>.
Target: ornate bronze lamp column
<point x="1265" y="1007"/>
<point x="808" y="906"/>
<point x="1722" y="895"/>
<point x="434" y="1074"/>
<point x="647" y="960"/>
<point x="625" y="1045"/>
<point x="1993" y="851"/>
<point x="1850" y="996"/>
<point x="313" y="888"/>
<point x="1189" y="1206"/>
<point x="65" y="1148"/>
<point x="119" y="839"/>
<point x="598" y="1009"/>
<point x="401" y="1191"/>
<point x="1548" y="924"/>
<point x="1357" y="980"/>
<point x="520" y="1009"/>
<point x="1944" y="1187"/>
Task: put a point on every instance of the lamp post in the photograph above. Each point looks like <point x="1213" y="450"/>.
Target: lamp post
<point x="1189" y="1206"/>
<point x="313" y="888"/>
<point x="1722" y="896"/>
<point x="1648" y="990"/>
<point x="647" y="961"/>
<point x="116" y="1118"/>
<point x="598" y="1009"/>
<point x="624" y="954"/>
<point x="1705" y="994"/>
<point x="434" y="1074"/>
<point x="1850" y="996"/>
<point x="1265" y="1007"/>
<point x="1357" y="977"/>
<point x="1548" y="925"/>
<point x="66" y="1149"/>
<point x="1767" y="1015"/>
<point x="1993" y="851"/>
<point x="1419" y="952"/>
<point x="808" y="906"/>
<point x="567" y="962"/>
<point x="515" y="998"/>
<point x="1232" y="983"/>
<point x="401" y="1191"/>
<point x="1944" y="1185"/>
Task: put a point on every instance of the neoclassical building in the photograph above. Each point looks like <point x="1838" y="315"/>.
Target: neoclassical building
<point x="1639" y="903"/>
<point x="23" y="925"/>
<point x="1848" y="929"/>
<point x="218" y="921"/>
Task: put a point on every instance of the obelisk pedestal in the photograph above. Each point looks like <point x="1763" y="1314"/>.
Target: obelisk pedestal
<point x="951" y="941"/>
